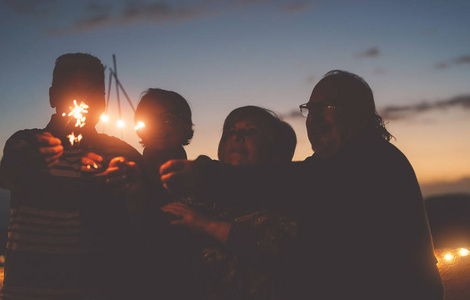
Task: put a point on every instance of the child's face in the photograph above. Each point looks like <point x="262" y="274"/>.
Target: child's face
<point x="163" y="129"/>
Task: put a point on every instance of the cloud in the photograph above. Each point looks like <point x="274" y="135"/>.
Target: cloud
<point x="97" y="16"/>
<point x="406" y="111"/>
<point x="463" y="59"/>
<point x="372" y="52"/>
<point x="396" y="112"/>
<point x="29" y="7"/>
<point x="296" y="7"/>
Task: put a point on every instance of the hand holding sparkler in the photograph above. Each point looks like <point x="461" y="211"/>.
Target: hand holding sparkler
<point x="48" y="151"/>
<point x="178" y="175"/>
<point x="91" y="163"/>
<point x="124" y="178"/>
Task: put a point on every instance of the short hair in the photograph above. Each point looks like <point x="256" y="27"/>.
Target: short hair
<point x="168" y="98"/>
<point x="68" y="64"/>
<point x="281" y="137"/>
<point x="356" y="104"/>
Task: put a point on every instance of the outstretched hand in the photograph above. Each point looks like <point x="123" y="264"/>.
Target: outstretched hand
<point x="48" y="151"/>
<point x="123" y="177"/>
<point x="198" y="222"/>
<point x="178" y="176"/>
<point x="186" y="216"/>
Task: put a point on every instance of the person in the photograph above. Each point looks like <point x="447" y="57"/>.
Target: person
<point x="363" y="228"/>
<point x="229" y="267"/>
<point x="163" y="121"/>
<point x="67" y="231"/>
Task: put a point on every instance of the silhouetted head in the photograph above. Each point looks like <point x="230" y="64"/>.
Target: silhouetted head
<point x="340" y="108"/>
<point x="80" y="77"/>
<point x="254" y="135"/>
<point x="166" y="116"/>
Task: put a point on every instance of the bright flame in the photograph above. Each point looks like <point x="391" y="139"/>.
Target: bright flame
<point x="464" y="252"/>
<point x="120" y="123"/>
<point x="78" y="112"/>
<point x="104" y="118"/>
<point x="74" y="139"/>
<point x="139" y="125"/>
<point x="448" y="257"/>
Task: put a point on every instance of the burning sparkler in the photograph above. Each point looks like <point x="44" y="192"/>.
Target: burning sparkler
<point x="78" y="111"/>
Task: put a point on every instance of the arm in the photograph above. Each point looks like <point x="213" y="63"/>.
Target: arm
<point x="212" y="181"/>
<point x="25" y="152"/>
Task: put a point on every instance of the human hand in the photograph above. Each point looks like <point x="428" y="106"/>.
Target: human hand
<point x="187" y="216"/>
<point x="91" y="163"/>
<point x="49" y="150"/>
<point x="124" y="178"/>
<point x="178" y="176"/>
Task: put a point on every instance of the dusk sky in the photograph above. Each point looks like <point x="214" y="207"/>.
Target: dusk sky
<point x="221" y="55"/>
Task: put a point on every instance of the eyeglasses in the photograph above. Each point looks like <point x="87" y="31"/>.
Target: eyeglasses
<point x="324" y="107"/>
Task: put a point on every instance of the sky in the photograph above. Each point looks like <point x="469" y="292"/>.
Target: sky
<point x="221" y="55"/>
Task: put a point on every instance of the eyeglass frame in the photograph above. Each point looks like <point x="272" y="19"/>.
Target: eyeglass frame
<point x="326" y="106"/>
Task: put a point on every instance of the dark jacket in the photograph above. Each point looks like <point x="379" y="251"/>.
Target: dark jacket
<point x="363" y="228"/>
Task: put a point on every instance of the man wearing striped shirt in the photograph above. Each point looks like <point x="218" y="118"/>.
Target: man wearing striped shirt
<point x="67" y="228"/>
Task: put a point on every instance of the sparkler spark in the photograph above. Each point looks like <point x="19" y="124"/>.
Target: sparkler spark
<point x="78" y="112"/>
<point x="74" y="139"/>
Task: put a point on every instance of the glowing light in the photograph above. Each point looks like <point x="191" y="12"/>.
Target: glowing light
<point x="448" y="257"/>
<point x="104" y="118"/>
<point x="120" y="123"/>
<point x="464" y="252"/>
<point x="78" y="112"/>
<point x="139" y="125"/>
<point x="64" y="114"/>
<point x="74" y="139"/>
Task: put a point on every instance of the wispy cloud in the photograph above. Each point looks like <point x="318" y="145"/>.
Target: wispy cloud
<point x="464" y="59"/>
<point x="29" y="7"/>
<point x="400" y="112"/>
<point x="97" y="16"/>
<point x="371" y="52"/>
<point x="406" y="111"/>
<point x="296" y="7"/>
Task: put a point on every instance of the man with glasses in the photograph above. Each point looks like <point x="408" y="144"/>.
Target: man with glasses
<point x="364" y="229"/>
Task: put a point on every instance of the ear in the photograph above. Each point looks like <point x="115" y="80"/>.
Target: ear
<point x="52" y="97"/>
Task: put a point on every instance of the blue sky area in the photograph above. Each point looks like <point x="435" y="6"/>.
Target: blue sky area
<point x="221" y="55"/>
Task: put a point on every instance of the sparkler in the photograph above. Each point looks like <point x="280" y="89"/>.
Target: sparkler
<point x="78" y="111"/>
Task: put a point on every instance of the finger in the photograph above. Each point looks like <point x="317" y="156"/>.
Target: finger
<point x="172" y="166"/>
<point x="90" y="164"/>
<point x="53" y="158"/>
<point x="95" y="157"/>
<point x="172" y="178"/>
<point x="117" y="161"/>
<point x="47" y="139"/>
<point x="51" y="150"/>
<point x="172" y="211"/>
<point x="52" y="163"/>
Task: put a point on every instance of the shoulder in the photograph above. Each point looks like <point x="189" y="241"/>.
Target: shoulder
<point x="22" y="138"/>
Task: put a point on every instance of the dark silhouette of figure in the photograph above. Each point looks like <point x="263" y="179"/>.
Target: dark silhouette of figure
<point x="363" y="228"/>
<point x="67" y="231"/>
<point x="243" y="249"/>
<point x="164" y="124"/>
